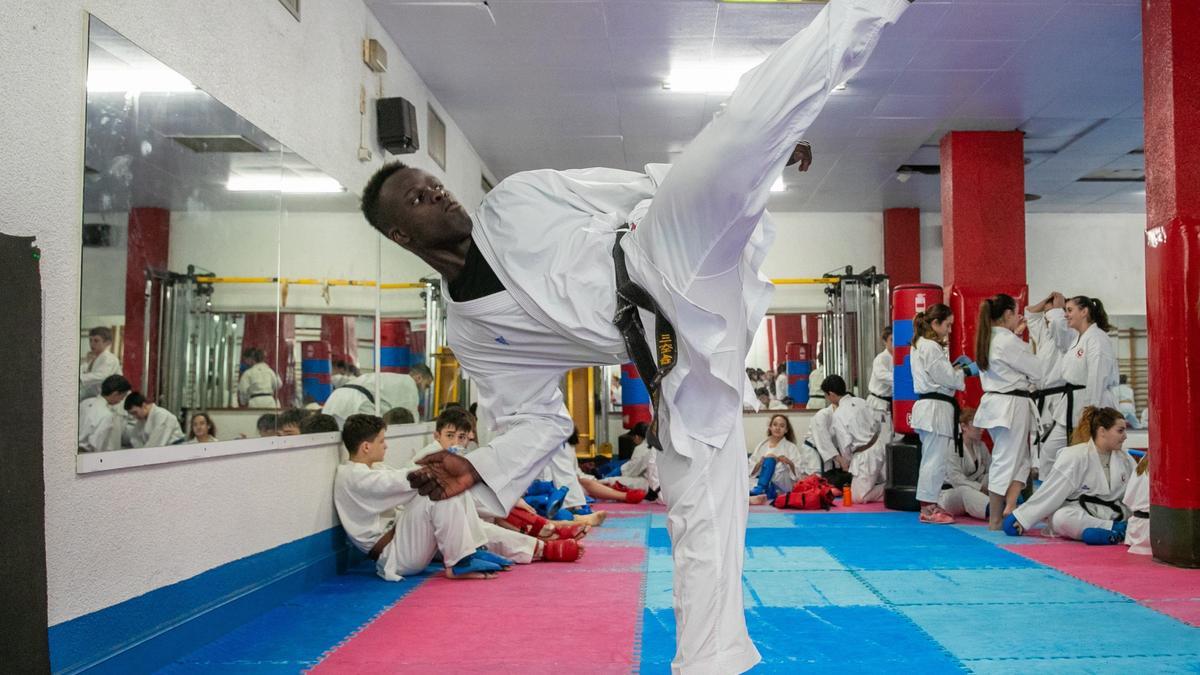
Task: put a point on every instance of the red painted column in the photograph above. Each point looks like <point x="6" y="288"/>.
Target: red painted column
<point x="902" y="246"/>
<point x="983" y="228"/>
<point x="1171" y="60"/>
<point x="339" y="331"/>
<point x="147" y="248"/>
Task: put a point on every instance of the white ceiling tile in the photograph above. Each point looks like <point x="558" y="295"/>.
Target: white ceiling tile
<point x="948" y="54"/>
<point x="763" y="21"/>
<point x="995" y="20"/>
<point x="898" y="105"/>
<point x="961" y="83"/>
<point x="654" y="19"/>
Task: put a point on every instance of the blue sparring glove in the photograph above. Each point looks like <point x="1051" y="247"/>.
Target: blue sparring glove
<point x="971" y="367"/>
<point x="962" y="360"/>
<point x="1011" y="525"/>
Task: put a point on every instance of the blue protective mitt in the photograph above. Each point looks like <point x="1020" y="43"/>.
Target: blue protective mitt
<point x="1098" y="536"/>
<point x="473" y="564"/>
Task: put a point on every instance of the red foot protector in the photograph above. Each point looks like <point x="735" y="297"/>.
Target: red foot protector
<point x="562" y="550"/>
<point x="526" y="523"/>
<point x="635" y="496"/>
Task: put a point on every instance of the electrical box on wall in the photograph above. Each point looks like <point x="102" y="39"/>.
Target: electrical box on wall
<point x="397" y="125"/>
<point x="374" y="55"/>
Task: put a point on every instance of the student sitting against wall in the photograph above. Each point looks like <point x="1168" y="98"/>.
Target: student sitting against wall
<point x="266" y="425"/>
<point x="1081" y="497"/>
<point x="202" y="429"/>
<point x="155" y="427"/>
<point x="965" y="491"/>
<point x="400" y="530"/>
<point x="319" y="424"/>
<point x="639" y="473"/>
<point x="1137" y="500"/>
<point x="289" y="421"/>
<point x="777" y="464"/>
<point x="101" y="422"/>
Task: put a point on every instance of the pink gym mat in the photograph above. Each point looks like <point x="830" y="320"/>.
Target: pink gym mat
<point x="514" y="623"/>
<point x="1174" y="591"/>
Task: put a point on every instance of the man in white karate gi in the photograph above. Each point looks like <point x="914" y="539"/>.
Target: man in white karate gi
<point x="531" y="292"/>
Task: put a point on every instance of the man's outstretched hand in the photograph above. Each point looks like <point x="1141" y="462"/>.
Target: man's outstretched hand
<point x="802" y="155"/>
<point x="443" y="475"/>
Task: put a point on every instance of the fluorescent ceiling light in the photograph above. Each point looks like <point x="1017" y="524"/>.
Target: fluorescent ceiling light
<point x="285" y="184"/>
<point x="778" y="185"/>
<point x="707" y="78"/>
<point x="156" y="79"/>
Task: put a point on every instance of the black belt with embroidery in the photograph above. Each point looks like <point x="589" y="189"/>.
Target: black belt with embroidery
<point x="934" y="396"/>
<point x="631" y="297"/>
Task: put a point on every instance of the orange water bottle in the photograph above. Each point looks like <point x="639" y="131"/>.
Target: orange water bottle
<point x="847" y="498"/>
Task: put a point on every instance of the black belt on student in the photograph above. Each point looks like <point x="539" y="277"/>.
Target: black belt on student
<point x="881" y="397"/>
<point x="1141" y="514"/>
<point x="1112" y="504"/>
<point x="361" y="389"/>
<point x="631" y="297"/>
<point x="258" y="395"/>
<point x="1069" y="390"/>
<point x="934" y="396"/>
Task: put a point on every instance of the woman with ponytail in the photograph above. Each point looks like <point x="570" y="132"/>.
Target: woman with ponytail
<point x="1081" y="496"/>
<point x="1090" y="371"/>
<point x="935" y="414"/>
<point x="1009" y="373"/>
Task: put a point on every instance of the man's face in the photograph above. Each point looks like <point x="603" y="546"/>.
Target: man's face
<point x="289" y="430"/>
<point x="422" y="215"/>
<point x="97" y="344"/>
<point x="450" y="437"/>
<point x="140" y="411"/>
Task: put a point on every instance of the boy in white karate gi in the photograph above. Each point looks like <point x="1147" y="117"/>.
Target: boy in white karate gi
<point x="156" y="426"/>
<point x="531" y="292"/>
<point x="101" y="422"/>
<point x="860" y="438"/>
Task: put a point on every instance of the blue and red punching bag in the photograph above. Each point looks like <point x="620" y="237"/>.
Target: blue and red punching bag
<point x="394" y="346"/>
<point x="798" y="370"/>
<point x="315" y="370"/>
<point x="635" y="398"/>
<point x="907" y="300"/>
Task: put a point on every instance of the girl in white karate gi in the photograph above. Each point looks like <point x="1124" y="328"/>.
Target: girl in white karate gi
<point x="1081" y="496"/>
<point x="1137" y="500"/>
<point x="934" y="419"/>
<point x="965" y="491"/>
<point x="790" y="464"/>
<point x="1050" y="338"/>
<point x="1089" y="368"/>
<point x="1009" y="373"/>
<point x="880" y="384"/>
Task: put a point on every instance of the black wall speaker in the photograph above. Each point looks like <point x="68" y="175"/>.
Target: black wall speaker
<point x="397" y="122"/>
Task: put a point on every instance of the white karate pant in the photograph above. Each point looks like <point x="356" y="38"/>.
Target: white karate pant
<point x="694" y="237"/>
<point x="1050" y="449"/>
<point x="1010" y="452"/>
<point x="564" y="472"/>
<point x="935" y="452"/>
<point x="964" y="499"/>
<point x="869" y="469"/>
<point x="517" y="547"/>
<point x="1137" y="536"/>
<point x="425" y="527"/>
<point x="706" y="520"/>
<point x="1070" y="520"/>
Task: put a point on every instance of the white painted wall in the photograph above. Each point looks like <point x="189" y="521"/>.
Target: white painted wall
<point x="113" y="536"/>
<point x="810" y="244"/>
<point x="1101" y="255"/>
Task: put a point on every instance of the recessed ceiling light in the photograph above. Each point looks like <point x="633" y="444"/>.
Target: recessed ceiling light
<point x="707" y="78"/>
<point x="285" y="184"/>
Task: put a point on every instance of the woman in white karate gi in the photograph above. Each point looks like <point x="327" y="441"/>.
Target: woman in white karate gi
<point x="934" y="415"/>
<point x="1050" y="338"/>
<point x="965" y="491"/>
<point x="546" y="238"/>
<point x="789" y="465"/>
<point x="1009" y="373"/>
<point x="1089" y="369"/>
<point x="880" y="384"/>
<point x="1081" y="498"/>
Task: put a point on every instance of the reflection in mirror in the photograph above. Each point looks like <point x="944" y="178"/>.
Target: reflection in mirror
<point x="190" y="329"/>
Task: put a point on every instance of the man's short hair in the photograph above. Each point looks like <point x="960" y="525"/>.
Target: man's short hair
<point x="834" y="384"/>
<point x="134" y="400"/>
<point x="398" y="416"/>
<point x="359" y="429"/>
<point x="422" y="370"/>
<point x="886" y="334"/>
<point x="114" y="384"/>
<point x="318" y="424"/>
<point x="292" y="416"/>
<point x="458" y="417"/>
<point x="371" y="208"/>
<point x="640" y="429"/>
<point x="102" y="332"/>
<point x="266" y="422"/>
